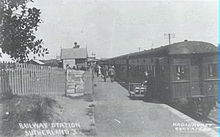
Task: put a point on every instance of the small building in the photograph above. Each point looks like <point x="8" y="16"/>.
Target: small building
<point x="92" y="61"/>
<point x="74" y="57"/>
<point x="52" y="63"/>
<point x="36" y="62"/>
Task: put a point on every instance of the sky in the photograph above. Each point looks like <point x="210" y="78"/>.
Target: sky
<point x="111" y="28"/>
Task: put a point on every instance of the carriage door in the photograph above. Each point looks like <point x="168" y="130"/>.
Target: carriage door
<point x="195" y="78"/>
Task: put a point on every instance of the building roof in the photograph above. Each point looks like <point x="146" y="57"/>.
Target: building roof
<point x="90" y="59"/>
<point x="37" y="62"/>
<point x="74" y="53"/>
<point x="51" y="62"/>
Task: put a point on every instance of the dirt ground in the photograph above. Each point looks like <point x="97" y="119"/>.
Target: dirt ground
<point x="19" y="113"/>
<point x="37" y="109"/>
<point x="80" y="110"/>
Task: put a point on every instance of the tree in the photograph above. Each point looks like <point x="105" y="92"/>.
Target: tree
<point x="18" y="25"/>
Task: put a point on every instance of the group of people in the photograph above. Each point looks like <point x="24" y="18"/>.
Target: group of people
<point x="105" y="72"/>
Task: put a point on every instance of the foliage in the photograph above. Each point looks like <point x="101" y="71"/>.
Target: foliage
<point x="18" y="25"/>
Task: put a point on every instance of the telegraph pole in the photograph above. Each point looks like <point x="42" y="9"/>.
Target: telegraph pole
<point x="93" y="54"/>
<point x="169" y="36"/>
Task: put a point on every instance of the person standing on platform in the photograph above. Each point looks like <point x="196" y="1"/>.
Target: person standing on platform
<point x="104" y="71"/>
<point x="96" y="70"/>
<point x="112" y="73"/>
<point x="99" y="70"/>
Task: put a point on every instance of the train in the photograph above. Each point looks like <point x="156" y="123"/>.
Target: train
<point x="184" y="74"/>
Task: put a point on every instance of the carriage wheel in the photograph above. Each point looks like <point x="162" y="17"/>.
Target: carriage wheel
<point x="203" y="107"/>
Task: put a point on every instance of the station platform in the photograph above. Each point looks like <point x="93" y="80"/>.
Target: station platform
<point x="116" y="115"/>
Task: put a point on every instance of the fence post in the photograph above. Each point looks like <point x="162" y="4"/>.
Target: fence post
<point x="22" y="79"/>
<point x="66" y="73"/>
<point x="92" y="81"/>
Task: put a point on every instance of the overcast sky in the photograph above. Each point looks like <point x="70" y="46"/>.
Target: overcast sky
<point x="114" y="27"/>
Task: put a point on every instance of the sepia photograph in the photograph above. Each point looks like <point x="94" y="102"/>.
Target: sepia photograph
<point x="109" y="68"/>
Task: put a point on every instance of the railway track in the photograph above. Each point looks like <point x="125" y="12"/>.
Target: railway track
<point x="214" y="115"/>
<point x="208" y="120"/>
<point x="213" y="120"/>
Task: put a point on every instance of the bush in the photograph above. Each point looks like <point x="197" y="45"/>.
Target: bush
<point x="25" y="109"/>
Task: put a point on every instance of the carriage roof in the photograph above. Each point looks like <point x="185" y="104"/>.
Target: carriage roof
<point x="180" y="48"/>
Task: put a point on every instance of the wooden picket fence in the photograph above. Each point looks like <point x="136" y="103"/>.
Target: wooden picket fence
<point x="24" y="79"/>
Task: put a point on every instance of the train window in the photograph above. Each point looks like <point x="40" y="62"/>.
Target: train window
<point x="149" y="68"/>
<point x="152" y="60"/>
<point x="162" y="73"/>
<point x="153" y="70"/>
<point x="212" y="70"/>
<point x="181" y="72"/>
<point x="195" y="61"/>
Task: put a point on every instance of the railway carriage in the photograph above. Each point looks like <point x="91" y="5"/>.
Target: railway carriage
<point x="184" y="73"/>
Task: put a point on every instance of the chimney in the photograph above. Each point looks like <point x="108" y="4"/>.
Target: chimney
<point x="76" y="45"/>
